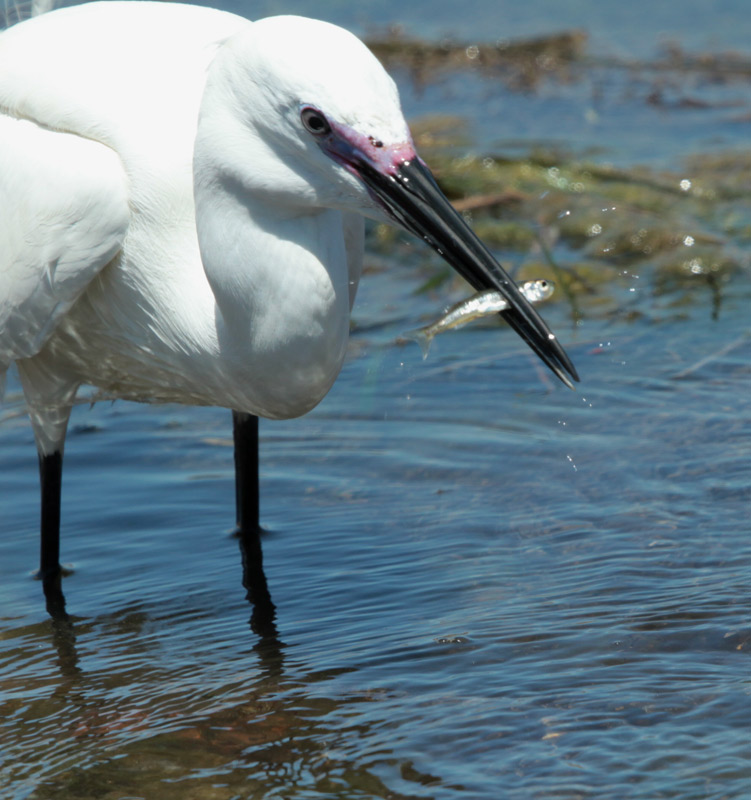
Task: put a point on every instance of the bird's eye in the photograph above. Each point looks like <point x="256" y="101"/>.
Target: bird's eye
<point x="315" y="122"/>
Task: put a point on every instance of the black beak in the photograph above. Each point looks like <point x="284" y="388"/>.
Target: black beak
<point x="412" y="197"/>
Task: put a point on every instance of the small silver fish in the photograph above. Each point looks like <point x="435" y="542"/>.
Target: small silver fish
<point x="478" y="305"/>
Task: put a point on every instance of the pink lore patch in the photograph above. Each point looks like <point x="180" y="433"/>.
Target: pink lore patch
<point x="347" y="146"/>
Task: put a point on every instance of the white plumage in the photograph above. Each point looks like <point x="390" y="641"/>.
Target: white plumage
<point x="181" y="203"/>
<point x="102" y="161"/>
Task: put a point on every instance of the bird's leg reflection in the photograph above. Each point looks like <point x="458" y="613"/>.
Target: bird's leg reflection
<point x="254" y="581"/>
<point x="64" y="640"/>
<point x="54" y="598"/>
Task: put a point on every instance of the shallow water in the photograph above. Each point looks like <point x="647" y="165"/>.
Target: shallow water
<point x="486" y="585"/>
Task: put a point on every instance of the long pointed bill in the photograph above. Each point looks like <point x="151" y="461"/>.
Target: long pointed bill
<point x="405" y="188"/>
<point x="413" y="198"/>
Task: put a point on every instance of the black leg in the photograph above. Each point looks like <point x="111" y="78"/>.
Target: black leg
<point x="50" y="478"/>
<point x="247" y="499"/>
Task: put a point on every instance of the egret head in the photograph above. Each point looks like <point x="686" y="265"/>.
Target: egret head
<point x="312" y="121"/>
<point x="283" y="96"/>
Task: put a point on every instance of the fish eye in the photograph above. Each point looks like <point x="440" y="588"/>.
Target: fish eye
<point x="314" y="121"/>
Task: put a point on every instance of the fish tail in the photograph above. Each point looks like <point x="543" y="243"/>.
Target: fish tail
<point x="422" y="337"/>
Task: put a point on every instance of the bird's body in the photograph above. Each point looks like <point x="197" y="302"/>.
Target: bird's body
<point x="182" y="195"/>
<point x="127" y="306"/>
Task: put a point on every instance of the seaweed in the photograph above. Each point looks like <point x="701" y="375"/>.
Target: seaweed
<point x="595" y="229"/>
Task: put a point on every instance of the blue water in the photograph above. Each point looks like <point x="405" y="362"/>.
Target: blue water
<point x="487" y="586"/>
<point x="625" y="29"/>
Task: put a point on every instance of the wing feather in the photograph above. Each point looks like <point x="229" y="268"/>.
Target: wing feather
<point x="63" y="217"/>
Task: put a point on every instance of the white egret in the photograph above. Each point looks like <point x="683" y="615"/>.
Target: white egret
<point x="182" y="194"/>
